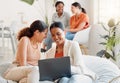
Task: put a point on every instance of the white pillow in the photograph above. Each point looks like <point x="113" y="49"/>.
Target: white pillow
<point x="115" y="80"/>
<point x="2" y="80"/>
<point x="104" y="68"/>
<point x="4" y="67"/>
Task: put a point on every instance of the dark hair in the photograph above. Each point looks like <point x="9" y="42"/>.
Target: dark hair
<point x="57" y="25"/>
<point x="28" y="31"/>
<point x="76" y="4"/>
<point x="58" y="2"/>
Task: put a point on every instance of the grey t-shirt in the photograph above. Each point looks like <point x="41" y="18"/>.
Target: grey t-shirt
<point x="65" y="18"/>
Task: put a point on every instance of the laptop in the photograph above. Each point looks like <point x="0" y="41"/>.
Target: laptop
<point x="54" y="68"/>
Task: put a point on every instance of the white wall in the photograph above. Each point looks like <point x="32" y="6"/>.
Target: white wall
<point x="86" y="5"/>
<point x="89" y="5"/>
<point x="67" y="6"/>
<point x="10" y="10"/>
<point x="91" y="9"/>
<point x="38" y="10"/>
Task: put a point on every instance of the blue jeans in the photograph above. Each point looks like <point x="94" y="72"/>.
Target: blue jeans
<point x="70" y="35"/>
<point x="48" y="41"/>
<point x="76" y="79"/>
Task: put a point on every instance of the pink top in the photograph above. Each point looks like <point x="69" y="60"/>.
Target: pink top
<point x="26" y="54"/>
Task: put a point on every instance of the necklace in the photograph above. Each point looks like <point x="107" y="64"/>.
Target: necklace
<point x="34" y="46"/>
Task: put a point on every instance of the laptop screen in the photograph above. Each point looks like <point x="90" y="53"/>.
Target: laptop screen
<point x="54" y="68"/>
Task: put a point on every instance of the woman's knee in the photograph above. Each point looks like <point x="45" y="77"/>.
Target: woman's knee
<point x="33" y="76"/>
<point x="24" y="80"/>
<point x="80" y="79"/>
<point x="17" y="73"/>
<point x="64" y="80"/>
<point x="69" y="35"/>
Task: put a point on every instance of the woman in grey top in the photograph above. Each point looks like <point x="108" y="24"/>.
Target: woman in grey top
<point x="59" y="16"/>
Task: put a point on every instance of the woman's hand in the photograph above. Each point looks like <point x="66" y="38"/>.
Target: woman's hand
<point x="70" y="30"/>
<point x="67" y="30"/>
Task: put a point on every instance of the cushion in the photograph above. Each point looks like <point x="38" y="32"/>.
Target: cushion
<point x="17" y="73"/>
<point x="104" y="68"/>
<point x="2" y="80"/>
<point x="115" y="80"/>
<point x="4" y="67"/>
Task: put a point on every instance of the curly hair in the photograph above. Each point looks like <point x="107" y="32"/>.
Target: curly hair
<point x="29" y="31"/>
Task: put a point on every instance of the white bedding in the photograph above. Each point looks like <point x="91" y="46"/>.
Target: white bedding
<point x="105" y="70"/>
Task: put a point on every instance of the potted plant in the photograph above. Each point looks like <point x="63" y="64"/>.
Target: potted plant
<point x="111" y="40"/>
<point x="29" y="1"/>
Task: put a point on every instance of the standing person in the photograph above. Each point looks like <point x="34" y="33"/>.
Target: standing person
<point x="64" y="47"/>
<point x="28" y="54"/>
<point x="59" y="16"/>
<point x="78" y="21"/>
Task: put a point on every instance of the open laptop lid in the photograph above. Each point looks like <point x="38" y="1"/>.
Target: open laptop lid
<point x="54" y="68"/>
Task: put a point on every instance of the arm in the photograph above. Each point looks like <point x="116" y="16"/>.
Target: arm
<point x="76" y="54"/>
<point x="78" y="24"/>
<point x="22" y="51"/>
<point x="78" y="61"/>
<point x="80" y="27"/>
<point x="51" y="52"/>
<point x="77" y="64"/>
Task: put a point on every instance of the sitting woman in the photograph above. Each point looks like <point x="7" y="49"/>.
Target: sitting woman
<point x="59" y="16"/>
<point x="28" y="54"/>
<point x="63" y="47"/>
<point x="78" y="21"/>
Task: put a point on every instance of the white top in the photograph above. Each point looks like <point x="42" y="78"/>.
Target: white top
<point x="72" y="49"/>
<point x="64" y="18"/>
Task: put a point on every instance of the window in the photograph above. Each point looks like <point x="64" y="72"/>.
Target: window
<point x="108" y="9"/>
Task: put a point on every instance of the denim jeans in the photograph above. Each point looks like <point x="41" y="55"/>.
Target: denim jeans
<point x="70" y="35"/>
<point x="48" y="41"/>
<point x="76" y="79"/>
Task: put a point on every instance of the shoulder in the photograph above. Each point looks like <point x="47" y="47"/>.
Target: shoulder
<point x="66" y="13"/>
<point x="83" y="15"/>
<point x="51" y="52"/>
<point x="71" y="43"/>
<point x="74" y="43"/>
<point x="24" y="39"/>
<point x="72" y="17"/>
<point x="54" y="14"/>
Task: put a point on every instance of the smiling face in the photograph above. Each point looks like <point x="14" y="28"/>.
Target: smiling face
<point x="74" y="9"/>
<point x="59" y="8"/>
<point x="58" y="35"/>
<point x="40" y="36"/>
